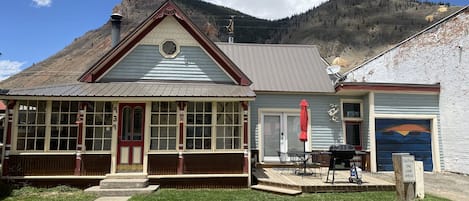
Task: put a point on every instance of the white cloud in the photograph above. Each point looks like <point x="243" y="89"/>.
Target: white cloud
<point x="8" y="68"/>
<point x="42" y="3"/>
<point x="270" y="9"/>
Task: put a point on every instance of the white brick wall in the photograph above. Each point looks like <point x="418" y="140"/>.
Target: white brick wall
<point x="439" y="55"/>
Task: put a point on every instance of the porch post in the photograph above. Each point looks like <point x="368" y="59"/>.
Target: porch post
<point x="180" y="168"/>
<point x="10" y="107"/>
<point x="245" y="105"/>
<point x="79" y="123"/>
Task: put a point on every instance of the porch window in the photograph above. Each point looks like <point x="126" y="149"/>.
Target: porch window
<point x="199" y="126"/>
<point x="63" y="127"/>
<point x="31" y="125"/>
<point x="163" y="126"/>
<point x="98" y="128"/>
<point x="228" y="125"/>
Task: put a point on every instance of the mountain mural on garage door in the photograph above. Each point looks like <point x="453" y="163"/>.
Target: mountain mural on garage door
<point x="403" y="136"/>
<point x="405" y="129"/>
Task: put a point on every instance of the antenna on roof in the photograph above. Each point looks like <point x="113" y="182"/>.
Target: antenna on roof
<point x="332" y="70"/>
<point x="230" y="28"/>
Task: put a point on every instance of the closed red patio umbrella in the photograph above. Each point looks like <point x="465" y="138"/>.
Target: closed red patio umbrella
<point x="304" y="120"/>
<point x="304" y="129"/>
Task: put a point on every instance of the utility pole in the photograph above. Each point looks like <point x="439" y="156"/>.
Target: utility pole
<point x="230" y="29"/>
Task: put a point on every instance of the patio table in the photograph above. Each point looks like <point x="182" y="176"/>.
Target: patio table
<point x="302" y="158"/>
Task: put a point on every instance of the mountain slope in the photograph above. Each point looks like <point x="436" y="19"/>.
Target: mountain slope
<point x="355" y="30"/>
<point x="351" y="29"/>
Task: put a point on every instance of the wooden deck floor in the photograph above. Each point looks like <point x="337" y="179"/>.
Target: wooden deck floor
<point x="315" y="183"/>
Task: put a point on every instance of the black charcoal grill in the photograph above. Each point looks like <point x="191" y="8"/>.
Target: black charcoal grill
<point x="340" y="158"/>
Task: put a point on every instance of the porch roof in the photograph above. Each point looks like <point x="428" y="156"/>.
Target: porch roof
<point x="137" y="89"/>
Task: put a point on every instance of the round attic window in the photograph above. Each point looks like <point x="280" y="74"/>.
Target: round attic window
<point x="169" y="49"/>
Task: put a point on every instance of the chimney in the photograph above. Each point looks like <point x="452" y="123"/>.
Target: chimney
<point x="116" y="28"/>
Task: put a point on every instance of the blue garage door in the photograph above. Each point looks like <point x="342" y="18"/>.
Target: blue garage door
<point x="403" y="136"/>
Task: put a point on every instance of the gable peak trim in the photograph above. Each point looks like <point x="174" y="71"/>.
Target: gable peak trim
<point x="168" y="8"/>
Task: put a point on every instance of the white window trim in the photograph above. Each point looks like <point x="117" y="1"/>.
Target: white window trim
<point x="342" y="101"/>
<point x="176" y="125"/>
<point x="83" y="132"/>
<point x="169" y="56"/>
<point x="344" y="119"/>
<point x="14" y="137"/>
<point x="58" y="124"/>
<point x="240" y="125"/>
<point x="214" y="113"/>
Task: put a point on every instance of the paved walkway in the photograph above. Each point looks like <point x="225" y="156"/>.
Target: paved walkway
<point x="447" y="185"/>
<point x="113" y="199"/>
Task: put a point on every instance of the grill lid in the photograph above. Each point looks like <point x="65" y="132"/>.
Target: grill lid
<point x="342" y="148"/>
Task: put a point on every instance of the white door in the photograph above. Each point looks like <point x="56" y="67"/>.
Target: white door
<point x="280" y="133"/>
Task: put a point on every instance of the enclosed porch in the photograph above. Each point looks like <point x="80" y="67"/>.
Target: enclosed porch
<point x="178" y="138"/>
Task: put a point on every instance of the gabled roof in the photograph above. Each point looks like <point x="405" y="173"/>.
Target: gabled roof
<point x="466" y="8"/>
<point x="281" y="68"/>
<point x="167" y="9"/>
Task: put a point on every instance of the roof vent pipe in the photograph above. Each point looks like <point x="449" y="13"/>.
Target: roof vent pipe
<point x="116" y="28"/>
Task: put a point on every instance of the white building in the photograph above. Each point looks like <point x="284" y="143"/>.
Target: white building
<point x="438" y="54"/>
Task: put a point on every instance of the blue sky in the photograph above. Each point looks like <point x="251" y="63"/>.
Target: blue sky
<point x="33" y="30"/>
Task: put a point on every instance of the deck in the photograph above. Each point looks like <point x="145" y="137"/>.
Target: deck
<point x="282" y="177"/>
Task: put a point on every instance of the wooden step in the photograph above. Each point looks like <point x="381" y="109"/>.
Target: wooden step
<point x="275" y="189"/>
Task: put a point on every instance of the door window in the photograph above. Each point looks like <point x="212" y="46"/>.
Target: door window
<point x="132" y="123"/>
<point x="280" y="135"/>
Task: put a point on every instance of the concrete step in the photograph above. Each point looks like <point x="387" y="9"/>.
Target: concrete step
<point x="113" y="198"/>
<point x="123" y="183"/>
<point x="121" y="192"/>
<point x="275" y="189"/>
<point x="127" y="176"/>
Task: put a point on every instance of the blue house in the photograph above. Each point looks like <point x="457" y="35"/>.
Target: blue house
<point x="169" y="105"/>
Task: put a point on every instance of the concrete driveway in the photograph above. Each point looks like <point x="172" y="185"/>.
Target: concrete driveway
<point x="447" y="185"/>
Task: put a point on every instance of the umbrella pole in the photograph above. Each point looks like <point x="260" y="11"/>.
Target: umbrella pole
<point x="305" y="158"/>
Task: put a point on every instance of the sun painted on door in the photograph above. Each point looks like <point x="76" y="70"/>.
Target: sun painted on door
<point x="403" y="136"/>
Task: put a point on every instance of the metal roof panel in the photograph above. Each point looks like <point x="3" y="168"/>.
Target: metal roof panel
<point x="137" y="89"/>
<point x="281" y="68"/>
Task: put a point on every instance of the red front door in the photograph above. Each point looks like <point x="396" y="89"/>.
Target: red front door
<point x="131" y="137"/>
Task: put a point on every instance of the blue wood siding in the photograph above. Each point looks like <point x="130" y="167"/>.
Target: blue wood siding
<point x="146" y="63"/>
<point x="410" y="104"/>
<point x="406" y="104"/>
<point x="324" y="131"/>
